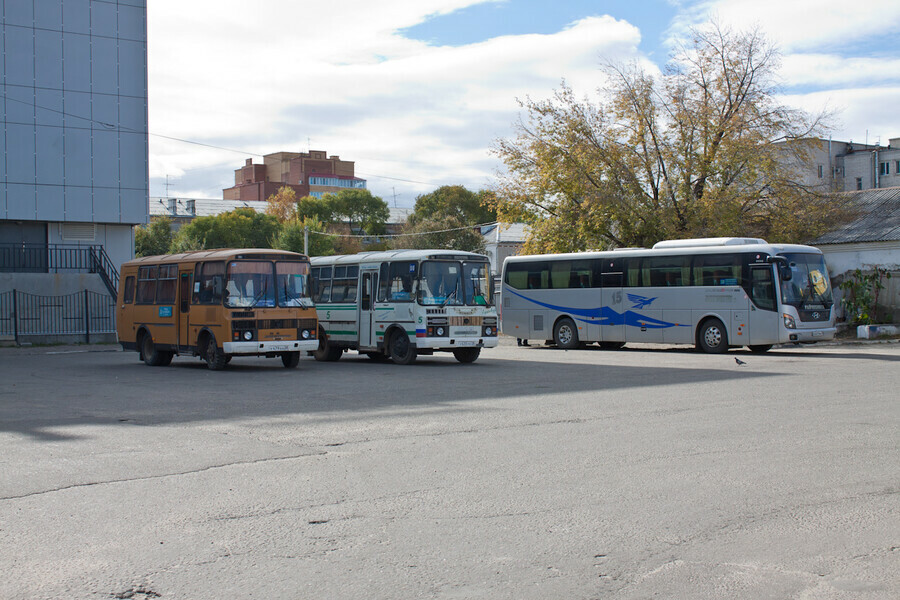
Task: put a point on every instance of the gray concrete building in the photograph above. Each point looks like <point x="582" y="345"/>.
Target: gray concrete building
<point x="73" y="132"/>
<point x="850" y="166"/>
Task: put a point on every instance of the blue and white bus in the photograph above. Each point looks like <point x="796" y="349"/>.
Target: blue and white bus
<point x="402" y="304"/>
<point x="715" y="293"/>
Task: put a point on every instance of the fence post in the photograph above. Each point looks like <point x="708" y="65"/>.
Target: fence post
<point x="87" y="318"/>
<point x="15" y="317"/>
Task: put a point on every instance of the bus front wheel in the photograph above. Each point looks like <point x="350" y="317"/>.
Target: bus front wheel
<point x="152" y="356"/>
<point x="401" y="351"/>
<point x="712" y="337"/>
<point x="466" y="355"/>
<point x="290" y="360"/>
<point x="214" y="356"/>
<point x="565" y="334"/>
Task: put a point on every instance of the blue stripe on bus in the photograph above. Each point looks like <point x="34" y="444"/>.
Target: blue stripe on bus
<point x="604" y="315"/>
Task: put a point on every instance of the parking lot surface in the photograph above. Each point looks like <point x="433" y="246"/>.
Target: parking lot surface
<point x="532" y="473"/>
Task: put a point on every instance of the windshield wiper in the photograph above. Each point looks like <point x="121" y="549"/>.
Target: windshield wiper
<point x="450" y="295"/>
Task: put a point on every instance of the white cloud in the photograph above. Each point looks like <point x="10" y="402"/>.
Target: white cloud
<point x="342" y="75"/>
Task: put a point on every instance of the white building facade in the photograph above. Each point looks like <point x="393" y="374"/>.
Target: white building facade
<point x="73" y="123"/>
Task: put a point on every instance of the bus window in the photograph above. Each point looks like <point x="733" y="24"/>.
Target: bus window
<point x="560" y="274"/>
<point x="146" y="289"/>
<point x="209" y="283"/>
<point x="610" y="272"/>
<point x="322" y="277"/>
<point x="128" y="296"/>
<point x="396" y="283"/>
<point x="717" y="269"/>
<point x="165" y="293"/>
<point x="633" y="272"/>
<point x="440" y="283"/>
<point x="581" y="274"/>
<point x="668" y="270"/>
<point x="762" y="287"/>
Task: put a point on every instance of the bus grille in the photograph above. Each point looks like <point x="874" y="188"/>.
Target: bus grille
<point x="463" y="321"/>
<point x="815" y="315"/>
<point x="275" y="324"/>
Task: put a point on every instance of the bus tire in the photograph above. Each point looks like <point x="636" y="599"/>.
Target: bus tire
<point x="466" y="355"/>
<point x="290" y="360"/>
<point x="213" y="355"/>
<point x="153" y="357"/>
<point x="326" y="352"/>
<point x="565" y="334"/>
<point x="401" y="351"/>
<point x="712" y="337"/>
<point x="760" y="348"/>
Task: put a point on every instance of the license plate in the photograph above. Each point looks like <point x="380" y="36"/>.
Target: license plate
<point x="278" y="347"/>
<point x="465" y="343"/>
<point x="818" y="333"/>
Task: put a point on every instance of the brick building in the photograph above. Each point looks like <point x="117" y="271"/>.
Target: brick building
<point x="312" y="173"/>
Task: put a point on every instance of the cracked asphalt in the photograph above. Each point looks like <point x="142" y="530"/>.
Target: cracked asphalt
<point x="533" y="473"/>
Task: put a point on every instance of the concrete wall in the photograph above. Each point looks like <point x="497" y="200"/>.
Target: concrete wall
<point x="843" y="259"/>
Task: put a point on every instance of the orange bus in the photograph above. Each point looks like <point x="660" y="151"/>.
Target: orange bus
<point x="217" y="304"/>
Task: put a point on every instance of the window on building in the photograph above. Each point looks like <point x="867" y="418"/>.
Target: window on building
<point x="821" y="171"/>
<point x="884" y="168"/>
<point x="859" y="183"/>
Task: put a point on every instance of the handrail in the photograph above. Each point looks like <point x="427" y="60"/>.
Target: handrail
<point x="53" y="258"/>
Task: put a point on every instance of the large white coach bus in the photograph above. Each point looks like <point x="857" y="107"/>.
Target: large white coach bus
<point x="715" y="293"/>
<point x="400" y="304"/>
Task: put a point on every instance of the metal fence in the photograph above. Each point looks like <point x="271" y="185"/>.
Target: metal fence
<point x="24" y="315"/>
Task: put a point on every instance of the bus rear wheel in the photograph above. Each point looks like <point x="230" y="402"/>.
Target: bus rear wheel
<point x="466" y="355"/>
<point x="290" y="360"/>
<point x="401" y="351"/>
<point x="214" y="356"/>
<point x="712" y="337"/>
<point x="152" y="356"/>
<point x="565" y="334"/>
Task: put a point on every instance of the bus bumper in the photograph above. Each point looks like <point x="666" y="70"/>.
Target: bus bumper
<point x="806" y="336"/>
<point x="451" y="343"/>
<point x="269" y="347"/>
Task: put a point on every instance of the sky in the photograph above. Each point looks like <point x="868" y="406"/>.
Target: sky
<point x="416" y="92"/>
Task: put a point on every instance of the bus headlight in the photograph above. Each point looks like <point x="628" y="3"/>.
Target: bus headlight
<point x="439" y="331"/>
<point x="248" y="335"/>
<point x="789" y="321"/>
<point x="489" y="330"/>
<point x="305" y="334"/>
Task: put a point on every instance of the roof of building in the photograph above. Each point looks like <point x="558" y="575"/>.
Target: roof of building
<point x="508" y="232"/>
<point x="877" y="220"/>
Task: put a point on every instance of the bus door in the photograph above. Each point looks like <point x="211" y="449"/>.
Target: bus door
<point x="612" y="323"/>
<point x="368" y="284"/>
<point x="182" y="323"/>
<point x="764" y="318"/>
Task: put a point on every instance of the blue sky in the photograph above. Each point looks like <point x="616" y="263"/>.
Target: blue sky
<point x="417" y="91"/>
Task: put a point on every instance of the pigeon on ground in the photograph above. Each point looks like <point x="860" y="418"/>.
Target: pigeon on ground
<point x="739" y="361"/>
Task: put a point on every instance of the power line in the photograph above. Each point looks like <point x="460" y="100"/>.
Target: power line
<point x="398" y="235"/>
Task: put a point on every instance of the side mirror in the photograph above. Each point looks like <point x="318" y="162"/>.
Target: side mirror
<point x="786" y="273"/>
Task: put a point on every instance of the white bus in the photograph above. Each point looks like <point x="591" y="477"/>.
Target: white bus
<point x="715" y="293"/>
<point x="400" y="304"/>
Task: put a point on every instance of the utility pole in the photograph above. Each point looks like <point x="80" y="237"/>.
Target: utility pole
<point x="306" y="240"/>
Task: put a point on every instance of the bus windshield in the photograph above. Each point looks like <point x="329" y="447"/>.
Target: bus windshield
<point x="446" y="283"/>
<point x="292" y="280"/>
<point x="809" y="286"/>
<point x="440" y="283"/>
<point x="249" y="284"/>
<point x="476" y="276"/>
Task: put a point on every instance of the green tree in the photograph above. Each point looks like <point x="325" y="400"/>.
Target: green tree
<point x="292" y="233"/>
<point x="154" y="238"/>
<point x="456" y="202"/>
<point x="319" y="209"/>
<point x="240" y="228"/>
<point x="359" y="208"/>
<point x="444" y="232"/>
<point x="691" y="153"/>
